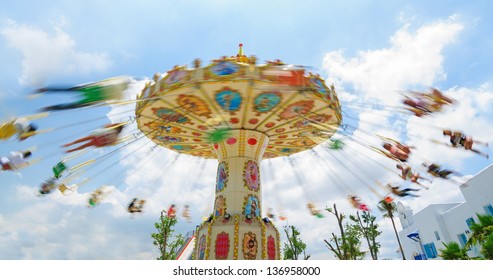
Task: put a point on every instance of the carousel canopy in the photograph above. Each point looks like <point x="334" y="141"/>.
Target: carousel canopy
<point x="189" y="110"/>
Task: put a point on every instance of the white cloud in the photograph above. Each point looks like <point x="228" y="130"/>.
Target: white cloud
<point x="412" y="59"/>
<point x="47" y="55"/>
<point x="48" y="229"/>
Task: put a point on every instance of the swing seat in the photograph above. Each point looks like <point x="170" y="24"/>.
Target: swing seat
<point x="134" y="210"/>
<point x="6" y="166"/>
<point x="62" y="188"/>
<point x="93" y="202"/>
<point x="65" y="190"/>
<point x="7" y="130"/>
<point x="58" y="169"/>
<point x="98" y="195"/>
<point x="137" y="207"/>
<point x="388" y="199"/>
<point x="47" y="190"/>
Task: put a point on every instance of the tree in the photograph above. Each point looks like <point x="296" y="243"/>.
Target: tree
<point x="369" y="229"/>
<point x="294" y="246"/>
<point x="487" y="247"/>
<point x="353" y="242"/>
<point x="453" y="251"/>
<point x="347" y="245"/>
<point x="480" y="231"/>
<point x="164" y="239"/>
<point x="388" y="210"/>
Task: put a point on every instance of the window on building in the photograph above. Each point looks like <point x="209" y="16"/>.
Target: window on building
<point x="488" y="209"/>
<point x="470" y="222"/>
<point x="430" y="250"/>
<point x="462" y="239"/>
<point x="437" y="236"/>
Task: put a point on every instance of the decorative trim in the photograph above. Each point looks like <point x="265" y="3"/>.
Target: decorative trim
<point x="224" y="151"/>
<point x="264" y="240"/>
<point x="260" y="145"/>
<point x="208" y="239"/>
<point x="236" y="237"/>
<point x="242" y="141"/>
<point x="278" y="243"/>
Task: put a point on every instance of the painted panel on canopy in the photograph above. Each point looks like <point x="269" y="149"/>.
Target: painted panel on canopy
<point x="301" y="122"/>
<point x="224" y="69"/>
<point x="225" y="98"/>
<point x="176" y="77"/>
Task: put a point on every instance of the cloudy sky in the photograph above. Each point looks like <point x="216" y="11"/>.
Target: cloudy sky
<point x="372" y="51"/>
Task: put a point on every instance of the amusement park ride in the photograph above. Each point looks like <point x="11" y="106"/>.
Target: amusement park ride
<point x="238" y="112"/>
<point x="257" y="112"/>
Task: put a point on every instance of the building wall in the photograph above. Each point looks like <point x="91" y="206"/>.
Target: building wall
<point x="443" y="223"/>
<point x="426" y="223"/>
<point x="478" y="191"/>
<point x="456" y="221"/>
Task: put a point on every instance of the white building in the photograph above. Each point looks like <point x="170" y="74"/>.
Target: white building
<point x="443" y="223"/>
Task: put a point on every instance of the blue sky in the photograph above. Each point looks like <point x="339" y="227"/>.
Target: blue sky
<point x="370" y="50"/>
